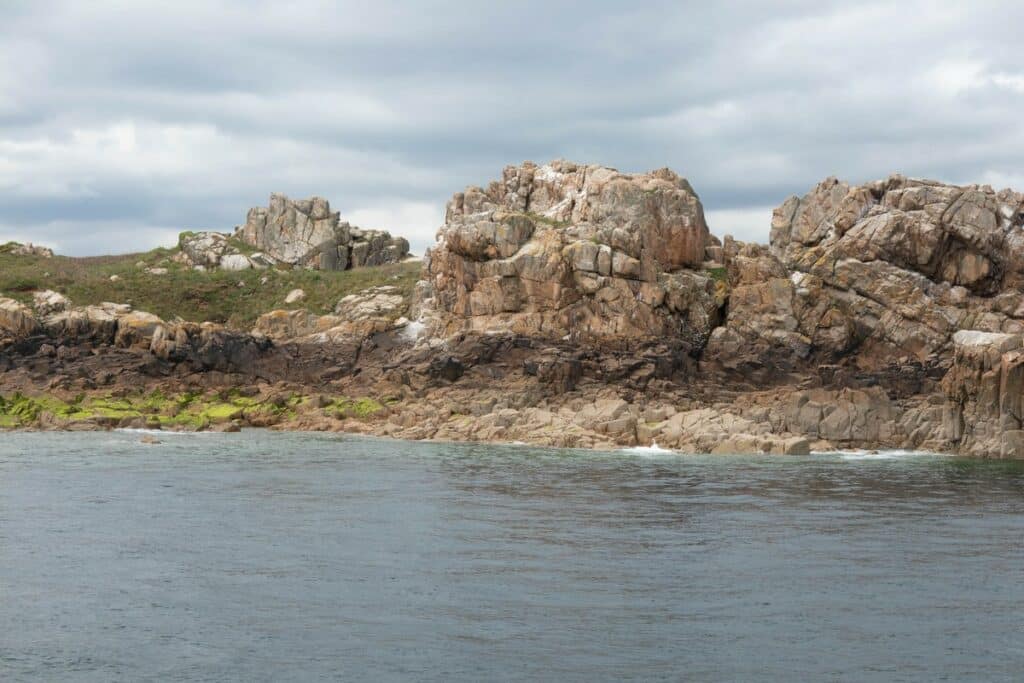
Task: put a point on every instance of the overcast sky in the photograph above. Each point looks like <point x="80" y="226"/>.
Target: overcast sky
<point x="123" y="123"/>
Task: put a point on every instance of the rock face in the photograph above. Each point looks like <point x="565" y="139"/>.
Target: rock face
<point x="571" y="250"/>
<point x="306" y="232"/>
<point x="885" y="272"/>
<point x="985" y="391"/>
<point x="16" y="319"/>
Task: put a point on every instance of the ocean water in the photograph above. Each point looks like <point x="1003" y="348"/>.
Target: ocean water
<point x="299" y="557"/>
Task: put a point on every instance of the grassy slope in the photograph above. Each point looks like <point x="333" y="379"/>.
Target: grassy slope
<point x="234" y="298"/>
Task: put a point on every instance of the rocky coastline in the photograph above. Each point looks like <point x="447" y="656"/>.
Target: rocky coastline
<point x="574" y="305"/>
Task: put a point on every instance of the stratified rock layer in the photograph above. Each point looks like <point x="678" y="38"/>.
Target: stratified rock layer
<point x="570" y="250"/>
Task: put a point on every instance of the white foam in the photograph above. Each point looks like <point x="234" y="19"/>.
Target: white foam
<point x="653" y="449"/>
<point x="157" y="432"/>
<point x="885" y="455"/>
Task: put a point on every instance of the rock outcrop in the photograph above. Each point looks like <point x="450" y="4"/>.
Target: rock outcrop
<point x="884" y="273"/>
<point x="373" y="310"/>
<point x="305" y="232"/>
<point x="16" y="319"/>
<point x="27" y="249"/>
<point x="566" y="250"/>
<point x="571" y="305"/>
<point x="985" y="391"/>
<point x="203" y="250"/>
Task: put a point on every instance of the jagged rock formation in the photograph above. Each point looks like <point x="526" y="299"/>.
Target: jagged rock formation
<point x="570" y="250"/>
<point x="886" y="272"/>
<point x="572" y="305"/>
<point x="301" y="232"/>
<point x="306" y="232"/>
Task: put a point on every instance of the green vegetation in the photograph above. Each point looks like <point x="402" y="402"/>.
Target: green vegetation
<point x="538" y="218"/>
<point x="718" y="274"/>
<point x="189" y="411"/>
<point x="233" y="298"/>
<point x="360" y="408"/>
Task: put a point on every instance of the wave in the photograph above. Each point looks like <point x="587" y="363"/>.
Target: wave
<point x="893" y="454"/>
<point x="157" y="432"/>
<point x="653" y="449"/>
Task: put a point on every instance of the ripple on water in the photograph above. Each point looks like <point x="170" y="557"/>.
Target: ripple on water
<point x="270" y="556"/>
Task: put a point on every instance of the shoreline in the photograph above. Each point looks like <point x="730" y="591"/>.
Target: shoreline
<point x="653" y="450"/>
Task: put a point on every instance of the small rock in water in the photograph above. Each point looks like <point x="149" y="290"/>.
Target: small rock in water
<point x="149" y="439"/>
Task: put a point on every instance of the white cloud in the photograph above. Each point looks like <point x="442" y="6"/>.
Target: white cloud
<point x="747" y="225"/>
<point x="183" y="116"/>
<point x="416" y="221"/>
<point x="93" y="237"/>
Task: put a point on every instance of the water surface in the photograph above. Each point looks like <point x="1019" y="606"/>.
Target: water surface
<point x="279" y="557"/>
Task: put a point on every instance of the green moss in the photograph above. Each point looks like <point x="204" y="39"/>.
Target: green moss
<point x="189" y="410"/>
<point x="221" y="412"/>
<point x="360" y="408"/>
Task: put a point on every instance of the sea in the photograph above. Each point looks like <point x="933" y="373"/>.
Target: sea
<point x="265" y="556"/>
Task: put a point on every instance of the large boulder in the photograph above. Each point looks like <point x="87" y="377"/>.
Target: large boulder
<point x="49" y="301"/>
<point x="16" y="319"/>
<point x="306" y="232"/>
<point x="567" y="249"/>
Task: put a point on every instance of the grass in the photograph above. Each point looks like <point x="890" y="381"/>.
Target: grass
<point x="232" y="298"/>
<point x="538" y="218"/>
<point x="718" y="274"/>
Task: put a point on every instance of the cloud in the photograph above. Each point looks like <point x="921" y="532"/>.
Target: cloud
<point x="130" y="121"/>
<point x="747" y="225"/>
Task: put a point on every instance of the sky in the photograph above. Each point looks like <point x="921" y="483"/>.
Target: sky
<point x="124" y="123"/>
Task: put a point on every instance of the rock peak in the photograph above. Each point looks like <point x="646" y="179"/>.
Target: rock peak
<point x="565" y="249"/>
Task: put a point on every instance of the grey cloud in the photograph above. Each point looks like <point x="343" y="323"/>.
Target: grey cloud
<point x="182" y="116"/>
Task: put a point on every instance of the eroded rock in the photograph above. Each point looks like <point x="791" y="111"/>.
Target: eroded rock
<point x="570" y="250"/>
